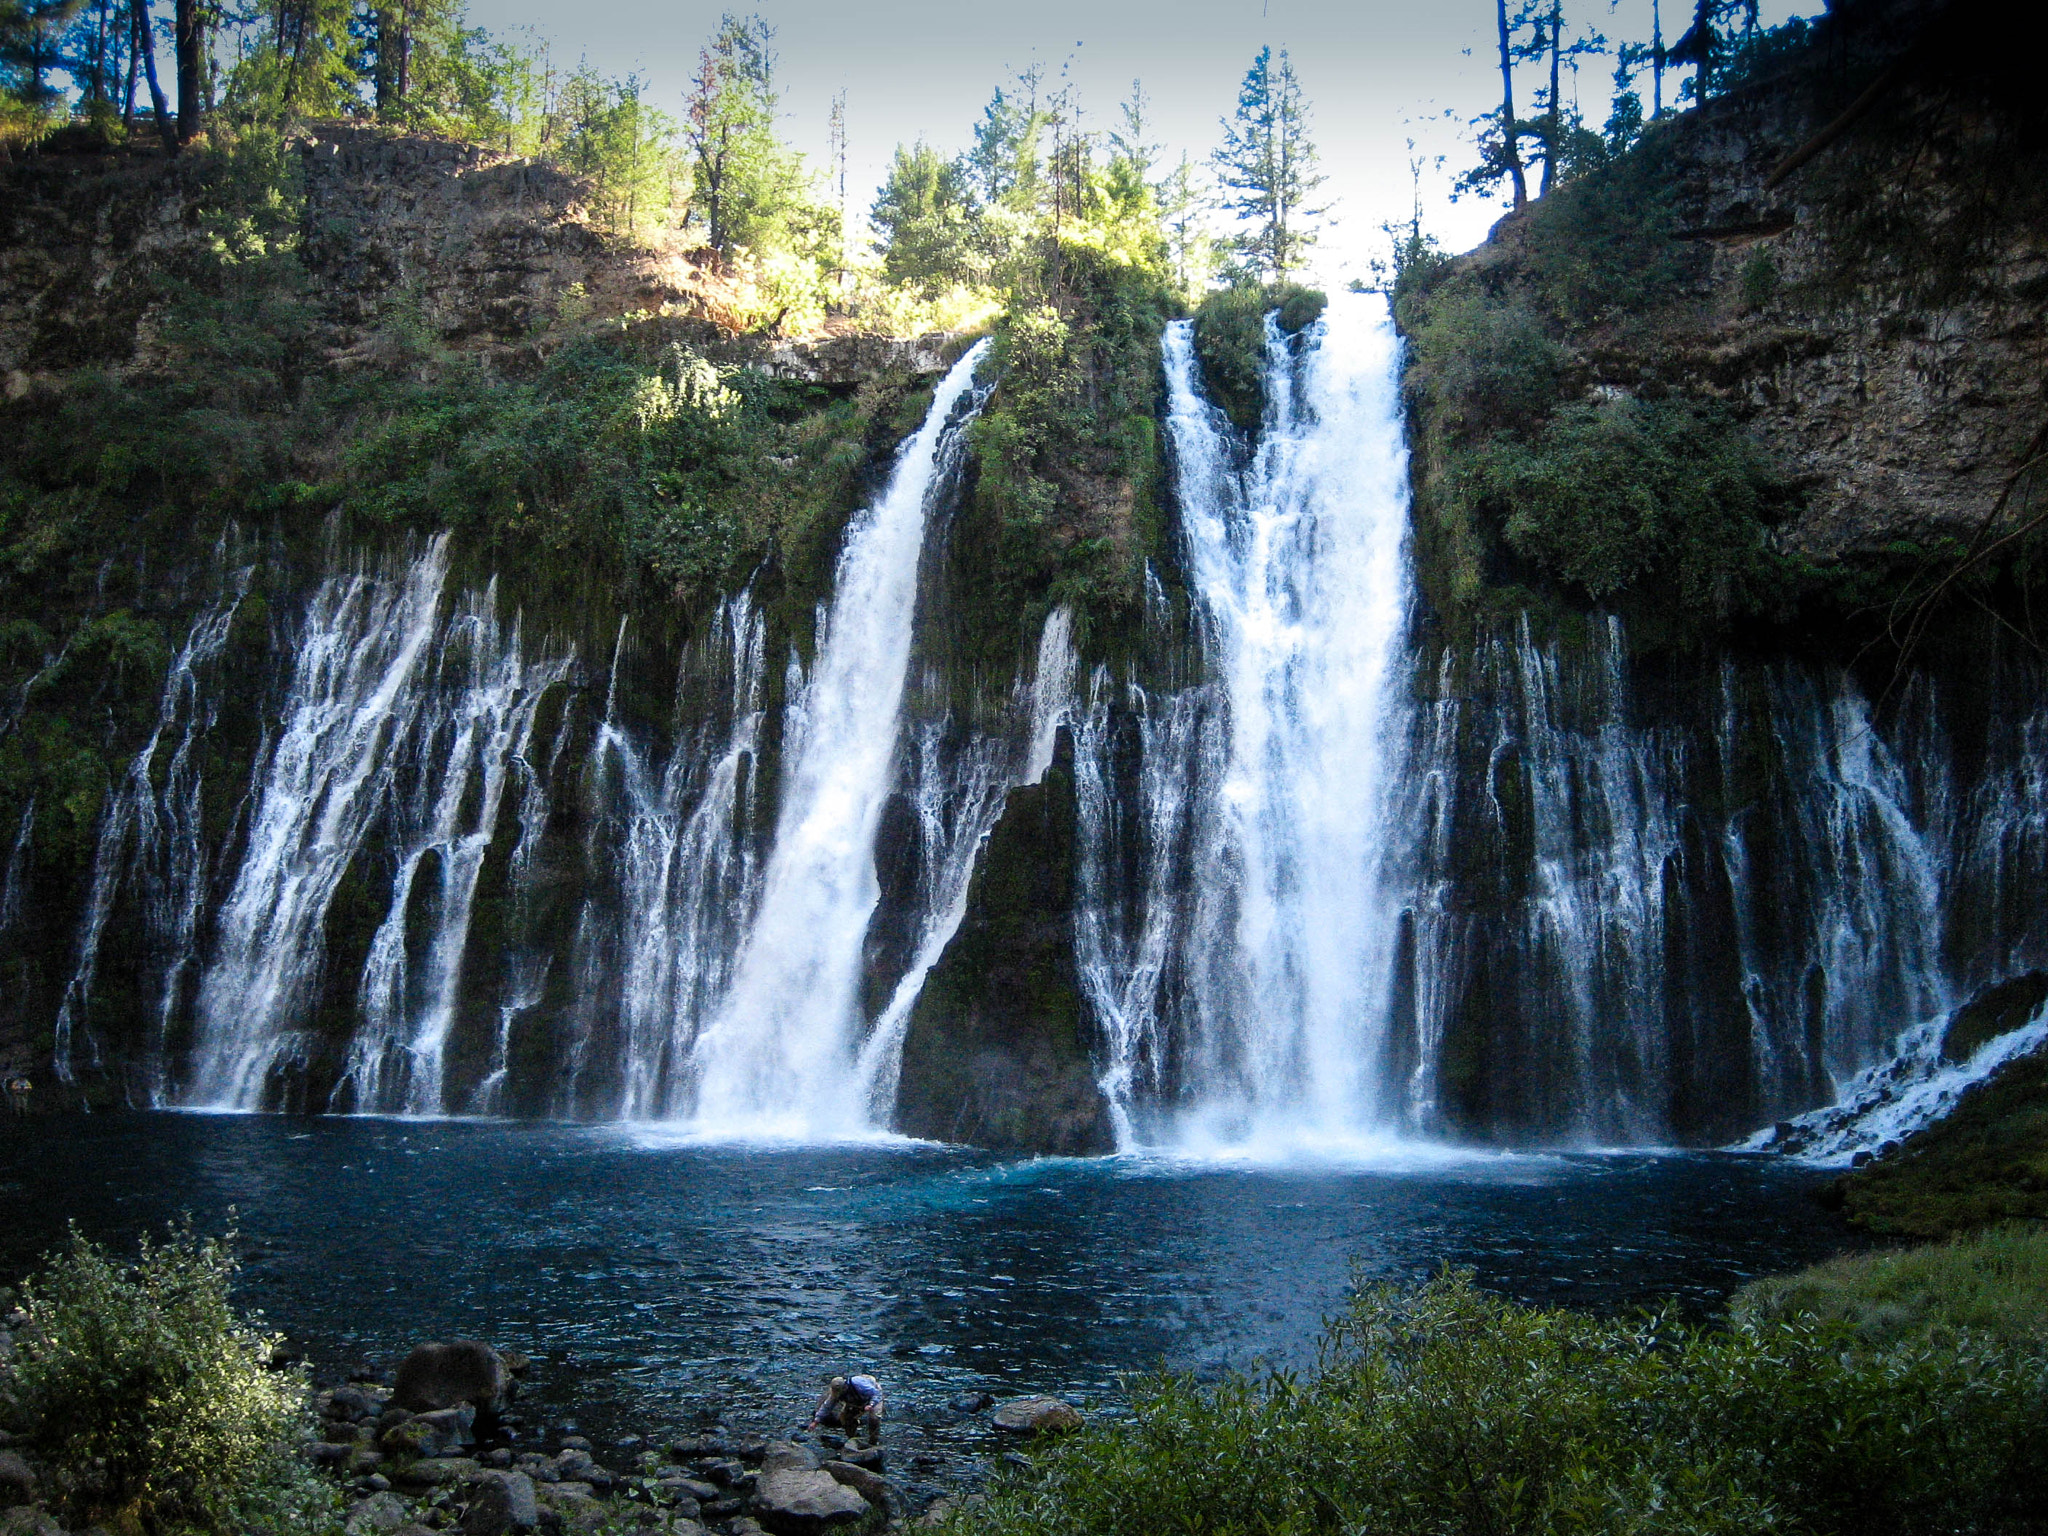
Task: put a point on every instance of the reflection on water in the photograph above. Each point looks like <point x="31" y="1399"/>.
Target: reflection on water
<point x="656" y="1281"/>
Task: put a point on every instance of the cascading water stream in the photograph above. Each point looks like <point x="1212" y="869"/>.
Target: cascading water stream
<point x="1295" y="563"/>
<point x="388" y="712"/>
<point x="777" y="1059"/>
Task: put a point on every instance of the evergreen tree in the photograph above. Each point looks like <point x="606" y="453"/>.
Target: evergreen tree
<point x="31" y="45"/>
<point x="924" y="219"/>
<point x="1266" y="168"/>
<point x="746" y="185"/>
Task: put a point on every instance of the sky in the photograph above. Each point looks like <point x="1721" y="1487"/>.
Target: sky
<point x="1378" y="73"/>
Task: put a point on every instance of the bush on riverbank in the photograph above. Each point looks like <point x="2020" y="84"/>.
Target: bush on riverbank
<point x="151" y="1403"/>
<point x="1446" y="1410"/>
<point x="1995" y="1282"/>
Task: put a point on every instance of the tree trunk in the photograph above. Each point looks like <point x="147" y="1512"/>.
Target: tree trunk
<point x="134" y="59"/>
<point x="1510" y="139"/>
<point x="189" y="38"/>
<point x="1656" y="61"/>
<point x="1554" y="118"/>
<point x="145" y="42"/>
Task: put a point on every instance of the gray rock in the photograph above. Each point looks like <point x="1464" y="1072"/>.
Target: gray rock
<point x="540" y="1468"/>
<point x="795" y="1500"/>
<point x="436" y="1472"/>
<point x="442" y="1375"/>
<point x="379" y="1513"/>
<point x="973" y="1402"/>
<point x="867" y="1484"/>
<point x="577" y="1443"/>
<point x="501" y="1502"/>
<point x="432" y="1434"/>
<point x="1036" y="1415"/>
<point x="28" y="1520"/>
<point x="872" y="1457"/>
<point x="696" y="1488"/>
<point x="17" y="1480"/>
<point x="674" y="1493"/>
<point x="726" y="1474"/>
<point x="788" y="1456"/>
<point x="353" y="1403"/>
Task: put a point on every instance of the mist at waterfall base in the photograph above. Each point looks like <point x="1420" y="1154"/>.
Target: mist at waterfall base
<point x="656" y="1282"/>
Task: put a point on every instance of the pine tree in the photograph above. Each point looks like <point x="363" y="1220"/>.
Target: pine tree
<point x="1266" y="168"/>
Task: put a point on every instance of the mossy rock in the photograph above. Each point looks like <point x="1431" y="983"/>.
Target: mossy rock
<point x="1230" y="342"/>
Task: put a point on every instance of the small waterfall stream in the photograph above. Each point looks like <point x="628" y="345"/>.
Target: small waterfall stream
<point x="777" y="1058"/>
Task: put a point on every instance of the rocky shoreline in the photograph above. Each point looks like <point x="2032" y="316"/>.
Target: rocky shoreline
<point x="441" y="1444"/>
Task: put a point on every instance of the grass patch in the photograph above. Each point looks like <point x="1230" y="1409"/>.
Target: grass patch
<point x="1995" y="1282"/>
<point x="1445" y="1410"/>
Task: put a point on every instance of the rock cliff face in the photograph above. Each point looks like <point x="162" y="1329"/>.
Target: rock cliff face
<point x="1874" y="314"/>
<point x="1000" y="1048"/>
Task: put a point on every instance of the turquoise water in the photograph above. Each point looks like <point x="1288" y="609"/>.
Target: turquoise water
<point x="660" y="1285"/>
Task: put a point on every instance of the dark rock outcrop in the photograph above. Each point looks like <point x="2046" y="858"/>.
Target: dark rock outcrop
<point x="437" y="1376"/>
<point x="998" y="1049"/>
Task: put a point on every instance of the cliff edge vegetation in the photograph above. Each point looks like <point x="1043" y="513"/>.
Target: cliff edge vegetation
<point x="1777" y="356"/>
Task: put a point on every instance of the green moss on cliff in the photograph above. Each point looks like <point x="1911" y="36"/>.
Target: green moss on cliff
<point x="1993" y="1282"/>
<point x="997" y="1052"/>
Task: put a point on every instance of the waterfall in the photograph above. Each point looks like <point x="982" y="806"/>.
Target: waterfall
<point x="445" y="780"/>
<point x="150" y="830"/>
<point x="777" y="1058"/>
<point x="1295" y="562"/>
<point x="684" y="864"/>
<point x="389" y="712"/>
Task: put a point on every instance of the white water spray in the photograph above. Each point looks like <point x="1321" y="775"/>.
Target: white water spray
<point x="777" y="1060"/>
<point x="1296" y="565"/>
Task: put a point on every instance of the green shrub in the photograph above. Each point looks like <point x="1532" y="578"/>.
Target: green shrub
<point x="1630" y="493"/>
<point x="1447" y="1411"/>
<point x="1995" y="1282"/>
<point x="153" y="1403"/>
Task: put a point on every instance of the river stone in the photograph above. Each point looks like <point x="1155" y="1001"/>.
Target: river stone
<point x="380" y="1512"/>
<point x="538" y="1467"/>
<point x="432" y="1434"/>
<point x="501" y="1502"/>
<point x="437" y="1472"/>
<point x="795" y="1498"/>
<point x="442" y="1375"/>
<point x="352" y="1403"/>
<point x="861" y="1481"/>
<point x="1036" y="1415"/>
<point x="17" y="1480"/>
<point x="322" y="1453"/>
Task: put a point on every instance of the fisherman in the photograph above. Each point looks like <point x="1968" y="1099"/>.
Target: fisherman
<point x="851" y="1404"/>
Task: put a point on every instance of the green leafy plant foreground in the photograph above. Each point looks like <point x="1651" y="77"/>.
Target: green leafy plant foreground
<point x="152" y="1401"/>
<point x="1445" y="1410"/>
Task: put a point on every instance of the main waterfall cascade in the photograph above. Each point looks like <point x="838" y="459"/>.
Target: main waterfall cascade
<point x="1340" y="875"/>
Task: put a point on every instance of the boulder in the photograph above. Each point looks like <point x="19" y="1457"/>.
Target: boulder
<point x="352" y="1403"/>
<point x="437" y="1472"/>
<point x="973" y="1402"/>
<point x="380" y="1513"/>
<point x="442" y="1375"/>
<point x="17" y="1480"/>
<point x="868" y="1485"/>
<point x="1036" y="1416"/>
<point x="322" y="1453"/>
<point x="28" y="1520"/>
<point x="432" y="1434"/>
<point x="501" y="1503"/>
<point x="794" y="1497"/>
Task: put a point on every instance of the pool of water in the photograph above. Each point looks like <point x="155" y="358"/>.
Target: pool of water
<point x="659" y="1284"/>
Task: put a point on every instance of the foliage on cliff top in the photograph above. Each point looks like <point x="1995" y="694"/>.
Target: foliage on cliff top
<point x="154" y="1403"/>
<point x="1529" y="479"/>
<point x="1994" y="1282"/>
<point x="1447" y="1410"/>
<point x="1066" y="504"/>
